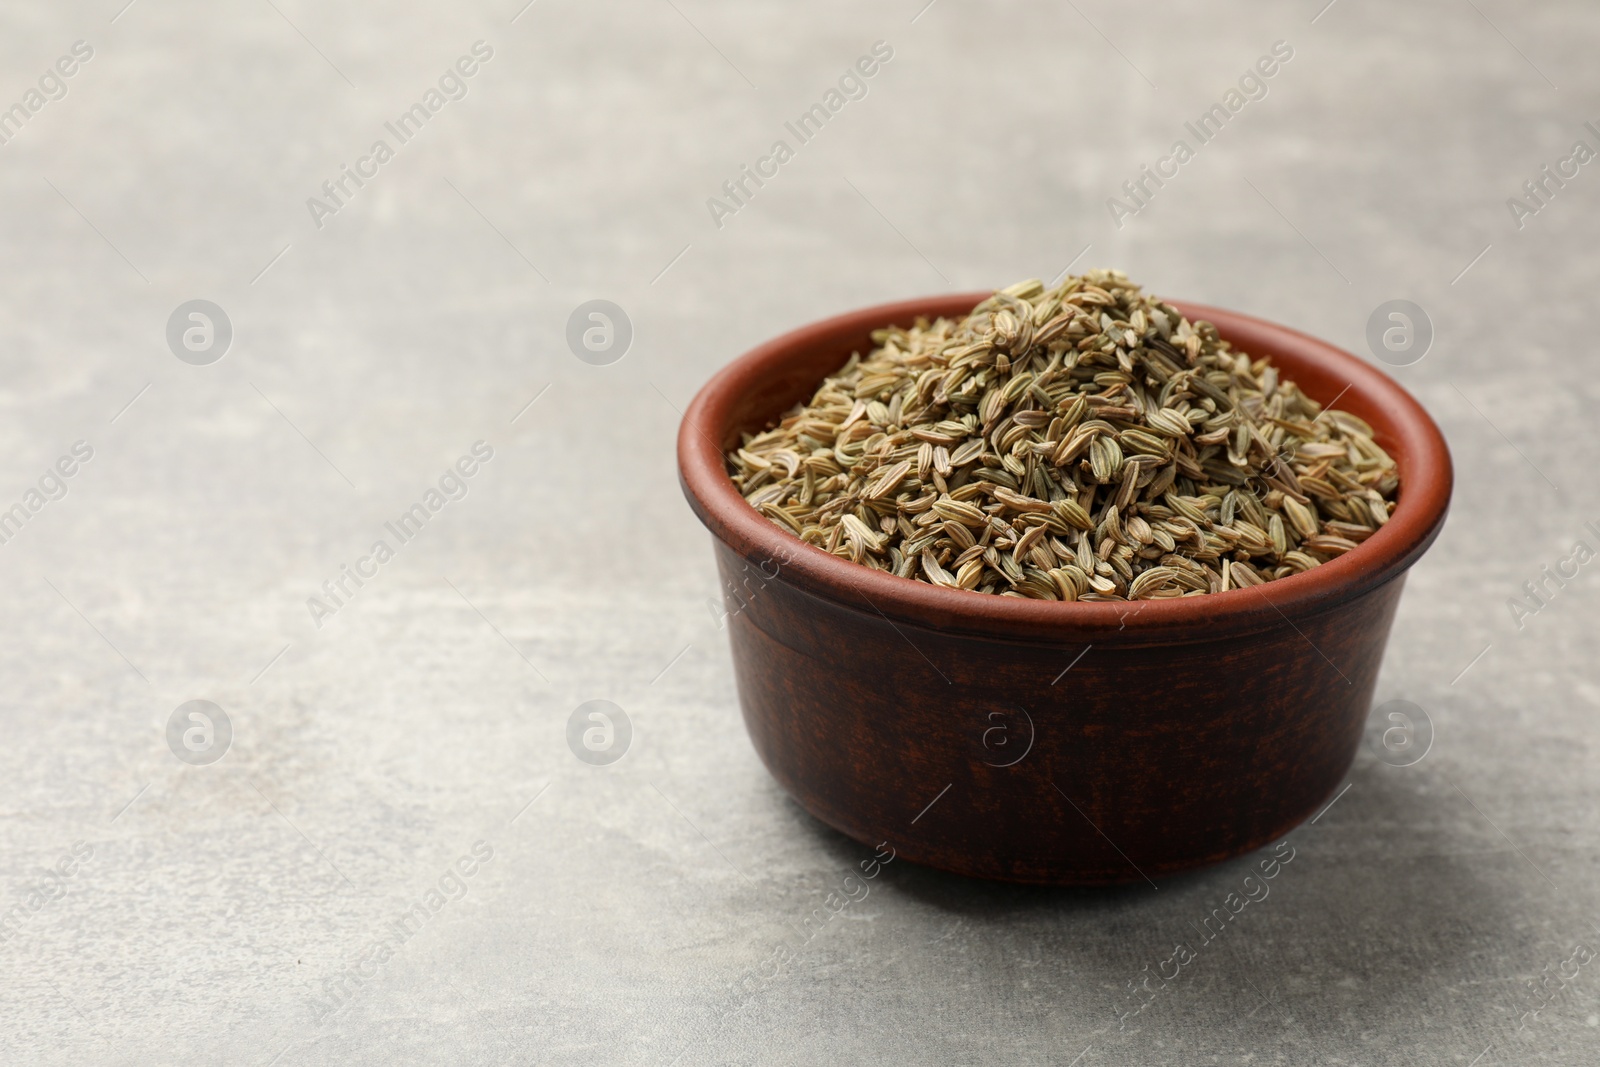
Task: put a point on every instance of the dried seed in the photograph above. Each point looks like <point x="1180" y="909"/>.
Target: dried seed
<point x="1279" y="536"/>
<point x="936" y="574"/>
<point x="888" y="481"/>
<point x="1018" y="502"/>
<point x="1150" y="581"/>
<point x="1300" y="517"/>
<point x="969" y="574"/>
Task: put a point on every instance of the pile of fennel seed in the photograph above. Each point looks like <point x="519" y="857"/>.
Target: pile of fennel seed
<point x="1084" y="442"/>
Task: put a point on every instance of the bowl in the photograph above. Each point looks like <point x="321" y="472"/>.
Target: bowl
<point x="1058" y="743"/>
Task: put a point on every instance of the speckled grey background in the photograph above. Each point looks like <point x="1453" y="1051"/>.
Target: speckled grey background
<point x="622" y="907"/>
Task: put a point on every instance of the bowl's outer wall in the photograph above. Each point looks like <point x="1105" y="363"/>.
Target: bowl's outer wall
<point x="1191" y="731"/>
<point x="1143" y="759"/>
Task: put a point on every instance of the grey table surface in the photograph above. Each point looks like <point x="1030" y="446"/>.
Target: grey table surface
<point x="628" y="914"/>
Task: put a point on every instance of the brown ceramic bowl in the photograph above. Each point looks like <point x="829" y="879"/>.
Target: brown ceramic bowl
<point x="948" y="724"/>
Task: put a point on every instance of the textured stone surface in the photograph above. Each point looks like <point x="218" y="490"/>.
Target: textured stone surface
<point x="623" y="908"/>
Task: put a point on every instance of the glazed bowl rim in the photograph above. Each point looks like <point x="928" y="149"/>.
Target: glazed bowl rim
<point x="1402" y="426"/>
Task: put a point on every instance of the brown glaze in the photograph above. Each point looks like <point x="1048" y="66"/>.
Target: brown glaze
<point x="1192" y="730"/>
